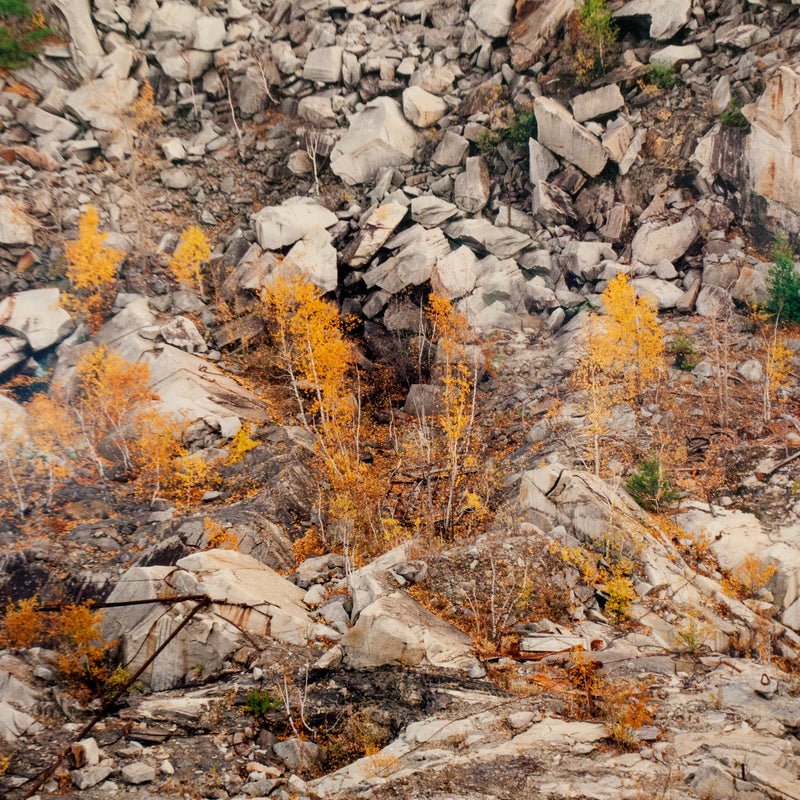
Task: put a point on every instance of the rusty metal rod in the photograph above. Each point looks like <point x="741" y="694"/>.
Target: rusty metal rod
<point x="202" y="602"/>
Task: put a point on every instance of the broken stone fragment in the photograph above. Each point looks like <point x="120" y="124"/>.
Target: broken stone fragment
<point x="559" y="132"/>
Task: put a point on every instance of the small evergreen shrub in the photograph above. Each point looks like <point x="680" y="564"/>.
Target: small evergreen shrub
<point x="661" y="75"/>
<point x="258" y="704"/>
<point x="783" y="281"/>
<point x="684" y="350"/>
<point x="732" y="116"/>
<point x="650" y="488"/>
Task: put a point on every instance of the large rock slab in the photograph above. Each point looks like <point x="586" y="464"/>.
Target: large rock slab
<point x="312" y="258"/>
<point x="188" y="386"/>
<point x="374" y="232"/>
<point x="379" y="136"/>
<point x="280" y="226"/>
<point x="395" y="629"/>
<point x="422" y="108"/>
<point x="732" y="535"/>
<point x="493" y="17"/>
<point x="597" y="103"/>
<point x="652" y="244"/>
<point x="536" y="24"/>
<point x="666" y="17"/>
<point x="500" y="241"/>
<point x="772" y="150"/>
<point x="417" y="252"/>
<point x="324" y="65"/>
<point x="84" y="44"/>
<point x="473" y="186"/>
<point x="15" y="227"/>
<point x="455" y="274"/>
<point x="246" y="596"/>
<point x="559" y="132"/>
<point x="37" y="317"/>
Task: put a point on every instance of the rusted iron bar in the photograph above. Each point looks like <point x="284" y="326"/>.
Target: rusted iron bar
<point x="202" y="602"/>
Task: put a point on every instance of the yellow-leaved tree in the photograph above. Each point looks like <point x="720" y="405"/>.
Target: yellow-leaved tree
<point x="192" y="250"/>
<point x="457" y="367"/>
<point x="92" y="270"/>
<point x="622" y="357"/>
<point x="633" y="334"/>
<point x="314" y="353"/>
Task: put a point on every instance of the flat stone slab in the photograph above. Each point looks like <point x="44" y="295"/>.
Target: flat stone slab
<point x="36" y="317"/>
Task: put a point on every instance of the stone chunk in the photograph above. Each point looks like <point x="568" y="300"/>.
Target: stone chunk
<point x="542" y="162"/>
<point x="314" y="258"/>
<point x="665" y="294"/>
<point x="279" y="226"/>
<point x="208" y="33"/>
<point x="472" y="187"/>
<point x="299" y="755"/>
<point x="317" y="110"/>
<point x="379" y="136"/>
<point x="669" y="56"/>
<point x="597" y="103"/>
<point x="173" y="20"/>
<point x="499" y="241"/>
<point x="182" y="332"/>
<point x="651" y="245"/>
<point x="451" y="150"/>
<point x="422" y="108"/>
<point x="430" y="211"/>
<point x="493" y="17"/>
<point x="536" y="24"/>
<point x="455" y="274"/>
<point x="15" y="228"/>
<point x="666" y="17"/>
<point x="37" y="317"/>
<point x="324" y="65"/>
<point x="138" y="772"/>
<point x="87" y="777"/>
<point x="15" y="723"/>
<point x="617" y="139"/>
<point x="559" y="132"/>
<point x="374" y="232"/>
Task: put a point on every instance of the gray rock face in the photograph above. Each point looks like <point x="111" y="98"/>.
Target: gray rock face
<point x="314" y="258"/>
<point x="173" y="20"/>
<point x="455" y="274"/>
<point x="397" y="630"/>
<point x="271" y="606"/>
<point x="37" y="317"/>
<point x="377" y="228"/>
<point x="597" y="103"/>
<point x="772" y="151"/>
<point x="493" y="17"/>
<point x="83" y="41"/>
<point x="535" y="26"/>
<point x="279" y="226"/>
<point x="542" y="162"/>
<point x="559" y="132"/>
<point x="379" y="136"/>
<point x="324" y="65"/>
<point x="667" y="17"/>
<point x="651" y="245"/>
<point x="714" y="301"/>
<point x="472" y="187"/>
<point x="451" y="151"/>
<point x="15" y="227"/>
<point x="422" y="108"/>
<point x="674" y="54"/>
<point x="665" y="294"/>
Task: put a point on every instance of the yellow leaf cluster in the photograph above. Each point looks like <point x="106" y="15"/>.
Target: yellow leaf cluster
<point x="622" y="356"/>
<point x="91" y="265"/>
<point x="92" y="270"/>
<point x="192" y="250"/>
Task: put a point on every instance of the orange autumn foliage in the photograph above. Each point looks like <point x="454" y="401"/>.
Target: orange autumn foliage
<point x="192" y="250"/>
<point x="92" y="270"/>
